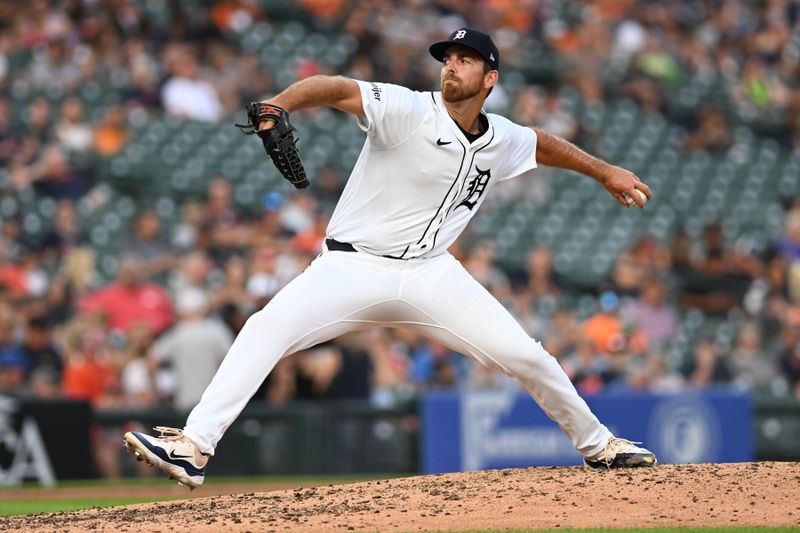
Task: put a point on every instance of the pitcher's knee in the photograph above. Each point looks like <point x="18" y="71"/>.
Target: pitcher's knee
<point x="527" y="356"/>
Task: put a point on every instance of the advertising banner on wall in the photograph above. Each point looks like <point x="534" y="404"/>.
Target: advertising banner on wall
<point x="44" y="441"/>
<point x="501" y="429"/>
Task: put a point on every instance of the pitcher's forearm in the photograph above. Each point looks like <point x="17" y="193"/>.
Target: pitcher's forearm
<point x="553" y="151"/>
<point x="318" y="90"/>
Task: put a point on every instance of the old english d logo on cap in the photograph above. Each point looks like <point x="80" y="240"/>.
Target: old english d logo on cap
<point x="471" y="38"/>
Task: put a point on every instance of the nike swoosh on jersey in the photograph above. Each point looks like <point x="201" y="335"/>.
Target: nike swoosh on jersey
<point x="173" y="455"/>
<point x="440" y="142"/>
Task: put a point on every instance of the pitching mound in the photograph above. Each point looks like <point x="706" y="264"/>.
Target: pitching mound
<point x="762" y="494"/>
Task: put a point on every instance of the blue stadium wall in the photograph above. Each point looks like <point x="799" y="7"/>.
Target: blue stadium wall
<point x="480" y="430"/>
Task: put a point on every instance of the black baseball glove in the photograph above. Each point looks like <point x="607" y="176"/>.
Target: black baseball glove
<point x="278" y="141"/>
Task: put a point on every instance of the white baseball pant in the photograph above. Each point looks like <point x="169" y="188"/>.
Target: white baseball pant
<point x="346" y="291"/>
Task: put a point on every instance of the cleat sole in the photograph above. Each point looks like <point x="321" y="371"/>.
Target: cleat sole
<point x="635" y="460"/>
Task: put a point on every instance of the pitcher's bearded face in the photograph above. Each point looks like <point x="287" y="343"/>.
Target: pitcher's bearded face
<point x="456" y="90"/>
<point x="462" y="74"/>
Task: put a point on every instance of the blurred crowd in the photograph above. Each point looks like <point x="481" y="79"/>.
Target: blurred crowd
<point x="75" y="74"/>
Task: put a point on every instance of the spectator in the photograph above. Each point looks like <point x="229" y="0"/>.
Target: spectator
<point x="604" y="328"/>
<point x="788" y="244"/>
<point x="269" y="272"/>
<point x="39" y="125"/>
<point x="53" y="176"/>
<point x="193" y="348"/>
<point x="189" y="233"/>
<point x="297" y="213"/>
<point x="521" y="305"/>
<point x="109" y="137"/>
<point x="71" y="131"/>
<point x="652" y="314"/>
<point x="330" y="186"/>
<point x="713" y="288"/>
<point x="223" y="222"/>
<point x="645" y="259"/>
<point x="588" y="368"/>
<point x="12" y="277"/>
<point x="543" y="281"/>
<point x="14" y="362"/>
<point x="11" y="239"/>
<point x="683" y="260"/>
<point x="390" y="385"/>
<point x="434" y="366"/>
<point x="355" y="373"/>
<point x="77" y="273"/>
<point x="315" y="370"/>
<point x="58" y="303"/>
<point x="263" y="282"/>
<point x="707" y="366"/>
<point x="192" y="272"/>
<point x="137" y="376"/>
<point x="565" y="332"/>
<point x="45" y="384"/>
<point x="528" y="106"/>
<point x="269" y="222"/>
<point x="790" y="365"/>
<point x="36" y="279"/>
<point x="713" y="133"/>
<point x="149" y="245"/>
<point x="13" y="369"/>
<point x="233" y="16"/>
<point x="186" y="95"/>
<point x="751" y="366"/>
<point x="87" y="373"/>
<point x="233" y="290"/>
<point x="66" y="233"/>
<point x="39" y="348"/>
<point x="309" y="240"/>
<point x="52" y="63"/>
<point x="480" y="264"/>
<point x="219" y="208"/>
<point x="660" y="377"/>
<point x="142" y="93"/>
<point x="10" y="137"/>
<point x="129" y="300"/>
<point x="556" y="120"/>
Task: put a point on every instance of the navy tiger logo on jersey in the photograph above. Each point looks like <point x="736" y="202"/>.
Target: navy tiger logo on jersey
<point x="476" y="187"/>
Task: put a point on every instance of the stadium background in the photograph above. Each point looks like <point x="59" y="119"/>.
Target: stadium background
<point x="121" y="168"/>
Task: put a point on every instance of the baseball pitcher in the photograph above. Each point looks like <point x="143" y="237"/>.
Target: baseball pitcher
<point x="428" y="162"/>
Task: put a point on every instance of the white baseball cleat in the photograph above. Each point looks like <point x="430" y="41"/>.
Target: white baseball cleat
<point x="173" y="452"/>
<point x="622" y="453"/>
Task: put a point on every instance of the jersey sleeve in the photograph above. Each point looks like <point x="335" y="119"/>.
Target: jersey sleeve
<point x="520" y="151"/>
<point x="391" y="113"/>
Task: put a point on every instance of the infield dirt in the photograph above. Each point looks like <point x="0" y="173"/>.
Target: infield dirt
<point x="741" y="494"/>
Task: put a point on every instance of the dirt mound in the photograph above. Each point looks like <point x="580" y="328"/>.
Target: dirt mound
<point x="762" y="494"/>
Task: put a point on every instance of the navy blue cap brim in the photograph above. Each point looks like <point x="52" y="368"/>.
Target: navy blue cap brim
<point x="437" y="50"/>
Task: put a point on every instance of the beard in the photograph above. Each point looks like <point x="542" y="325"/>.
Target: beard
<point x="459" y="91"/>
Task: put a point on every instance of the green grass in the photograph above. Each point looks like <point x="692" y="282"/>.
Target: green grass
<point x="22" y="507"/>
<point x="40" y="503"/>
<point x="158" y="480"/>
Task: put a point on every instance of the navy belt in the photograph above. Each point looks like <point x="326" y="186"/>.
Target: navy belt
<point x="336" y="246"/>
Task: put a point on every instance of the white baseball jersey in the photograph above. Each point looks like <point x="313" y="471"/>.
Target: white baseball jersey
<point x="416" y="185"/>
<point x="418" y="180"/>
